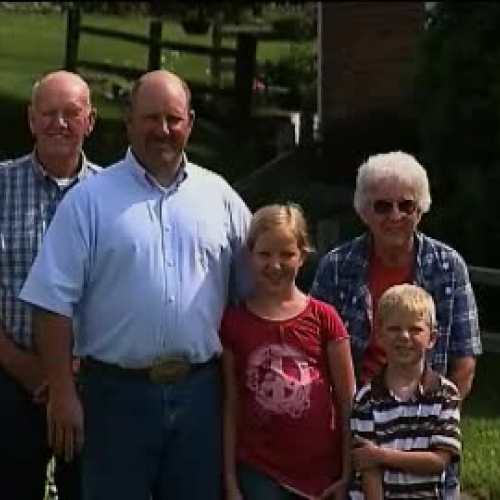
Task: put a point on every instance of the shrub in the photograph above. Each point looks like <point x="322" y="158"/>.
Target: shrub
<point x="296" y="72"/>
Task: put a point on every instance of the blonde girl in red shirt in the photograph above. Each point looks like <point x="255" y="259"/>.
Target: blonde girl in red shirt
<point x="288" y="376"/>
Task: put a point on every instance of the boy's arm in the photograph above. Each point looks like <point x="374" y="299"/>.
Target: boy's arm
<point x="372" y="484"/>
<point x="229" y="425"/>
<point x="368" y="455"/>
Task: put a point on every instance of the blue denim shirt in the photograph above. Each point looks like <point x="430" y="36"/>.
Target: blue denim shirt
<point x="342" y="280"/>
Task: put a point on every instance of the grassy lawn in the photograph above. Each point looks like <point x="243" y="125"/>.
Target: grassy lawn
<point x="33" y="44"/>
<point x="481" y="431"/>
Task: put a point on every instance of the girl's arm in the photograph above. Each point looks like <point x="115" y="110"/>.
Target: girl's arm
<point x="344" y="386"/>
<point x="229" y="414"/>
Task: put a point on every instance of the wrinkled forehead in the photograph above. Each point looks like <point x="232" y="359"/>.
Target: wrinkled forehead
<point x="61" y="93"/>
<point x="390" y="188"/>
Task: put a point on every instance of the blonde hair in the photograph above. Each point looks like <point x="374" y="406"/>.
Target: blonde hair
<point x="288" y="216"/>
<point x="406" y="301"/>
<point x="394" y="165"/>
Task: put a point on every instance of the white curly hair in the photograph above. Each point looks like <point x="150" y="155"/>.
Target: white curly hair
<point x="394" y="165"/>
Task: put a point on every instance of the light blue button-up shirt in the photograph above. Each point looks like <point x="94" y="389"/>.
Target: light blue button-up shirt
<point x="145" y="271"/>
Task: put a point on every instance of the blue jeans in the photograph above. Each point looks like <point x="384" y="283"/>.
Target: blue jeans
<point x="148" y="441"/>
<point x="24" y="451"/>
<point x="451" y="482"/>
<point x="257" y="486"/>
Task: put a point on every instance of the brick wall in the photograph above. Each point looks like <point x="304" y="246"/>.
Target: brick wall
<point x="368" y="54"/>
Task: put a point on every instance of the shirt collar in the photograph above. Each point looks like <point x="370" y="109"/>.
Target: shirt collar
<point x="429" y="382"/>
<point x="148" y="179"/>
<point x="359" y="255"/>
<point x="43" y="174"/>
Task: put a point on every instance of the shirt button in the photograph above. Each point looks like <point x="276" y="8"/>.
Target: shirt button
<point x="170" y="263"/>
<point x="167" y="229"/>
<point x="171" y="299"/>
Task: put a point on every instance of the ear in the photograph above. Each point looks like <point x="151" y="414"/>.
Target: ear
<point x="419" y="215"/>
<point x="31" y="118"/>
<point x="432" y="338"/>
<point x="91" y="123"/>
<point x="303" y="257"/>
<point x="363" y="215"/>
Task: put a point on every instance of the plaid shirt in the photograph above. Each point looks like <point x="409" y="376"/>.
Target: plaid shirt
<point x="28" y="200"/>
<point x="342" y="280"/>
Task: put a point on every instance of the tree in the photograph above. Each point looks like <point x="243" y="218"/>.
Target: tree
<point x="459" y="100"/>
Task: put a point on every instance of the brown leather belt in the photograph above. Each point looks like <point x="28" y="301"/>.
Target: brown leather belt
<point x="170" y="370"/>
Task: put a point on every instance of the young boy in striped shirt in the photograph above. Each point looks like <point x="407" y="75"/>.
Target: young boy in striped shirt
<point x="405" y="421"/>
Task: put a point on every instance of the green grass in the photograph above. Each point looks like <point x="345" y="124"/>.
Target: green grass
<point x="481" y="431"/>
<point x="31" y="44"/>
<point x="34" y="44"/>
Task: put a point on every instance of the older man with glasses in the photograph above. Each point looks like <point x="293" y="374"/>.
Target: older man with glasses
<point x="392" y="193"/>
<point x="60" y="117"/>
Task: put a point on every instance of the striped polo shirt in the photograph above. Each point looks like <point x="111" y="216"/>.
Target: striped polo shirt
<point x="429" y="420"/>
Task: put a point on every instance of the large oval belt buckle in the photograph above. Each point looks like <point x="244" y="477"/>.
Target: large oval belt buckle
<point x="170" y="370"/>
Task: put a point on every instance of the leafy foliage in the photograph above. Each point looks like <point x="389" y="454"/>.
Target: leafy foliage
<point x="296" y="71"/>
<point x="459" y="99"/>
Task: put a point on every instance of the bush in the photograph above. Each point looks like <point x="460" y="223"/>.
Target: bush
<point x="296" y="72"/>
<point x="295" y="27"/>
<point x="459" y="101"/>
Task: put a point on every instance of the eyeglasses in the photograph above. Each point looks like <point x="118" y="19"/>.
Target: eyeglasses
<point x="385" y="207"/>
<point x="68" y="115"/>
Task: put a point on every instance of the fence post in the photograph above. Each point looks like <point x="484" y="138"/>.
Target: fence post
<point x="215" y="62"/>
<point x="245" y="66"/>
<point x="155" y="34"/>
<point x="73" y="22"/>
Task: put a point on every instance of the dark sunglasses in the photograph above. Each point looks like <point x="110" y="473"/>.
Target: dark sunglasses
<point x="384" y="207"/>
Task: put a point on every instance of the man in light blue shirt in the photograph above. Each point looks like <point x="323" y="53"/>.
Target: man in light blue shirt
<point x="144" y="259"/>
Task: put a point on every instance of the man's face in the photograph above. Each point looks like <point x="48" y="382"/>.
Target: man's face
<point x="392" y="214"/>
<point x="159" y="124"/>
<point x="60" y="117"/>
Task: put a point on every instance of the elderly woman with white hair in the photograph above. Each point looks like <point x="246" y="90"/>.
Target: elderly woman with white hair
<point x="392" y="194"/>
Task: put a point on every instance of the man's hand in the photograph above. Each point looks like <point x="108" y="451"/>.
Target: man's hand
<point x="65" y="422"/>
<point x="365" y="454"/>
<point x="41" y="394"/>
<point x="27" y="370"/>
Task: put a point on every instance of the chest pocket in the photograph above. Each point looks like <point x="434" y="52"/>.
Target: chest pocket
<point x="212" y="241"/>
<point x="19" y="240"/>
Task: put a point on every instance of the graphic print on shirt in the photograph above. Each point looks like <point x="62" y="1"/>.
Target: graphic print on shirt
<point x="281" y="377"/>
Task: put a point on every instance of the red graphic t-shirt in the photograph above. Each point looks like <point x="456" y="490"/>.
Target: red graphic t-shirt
<point x="286" y="423"/>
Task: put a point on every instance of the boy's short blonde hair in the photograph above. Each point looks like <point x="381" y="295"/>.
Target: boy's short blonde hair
<point x="288" y="216"/>
<point x="403" y="301"/>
